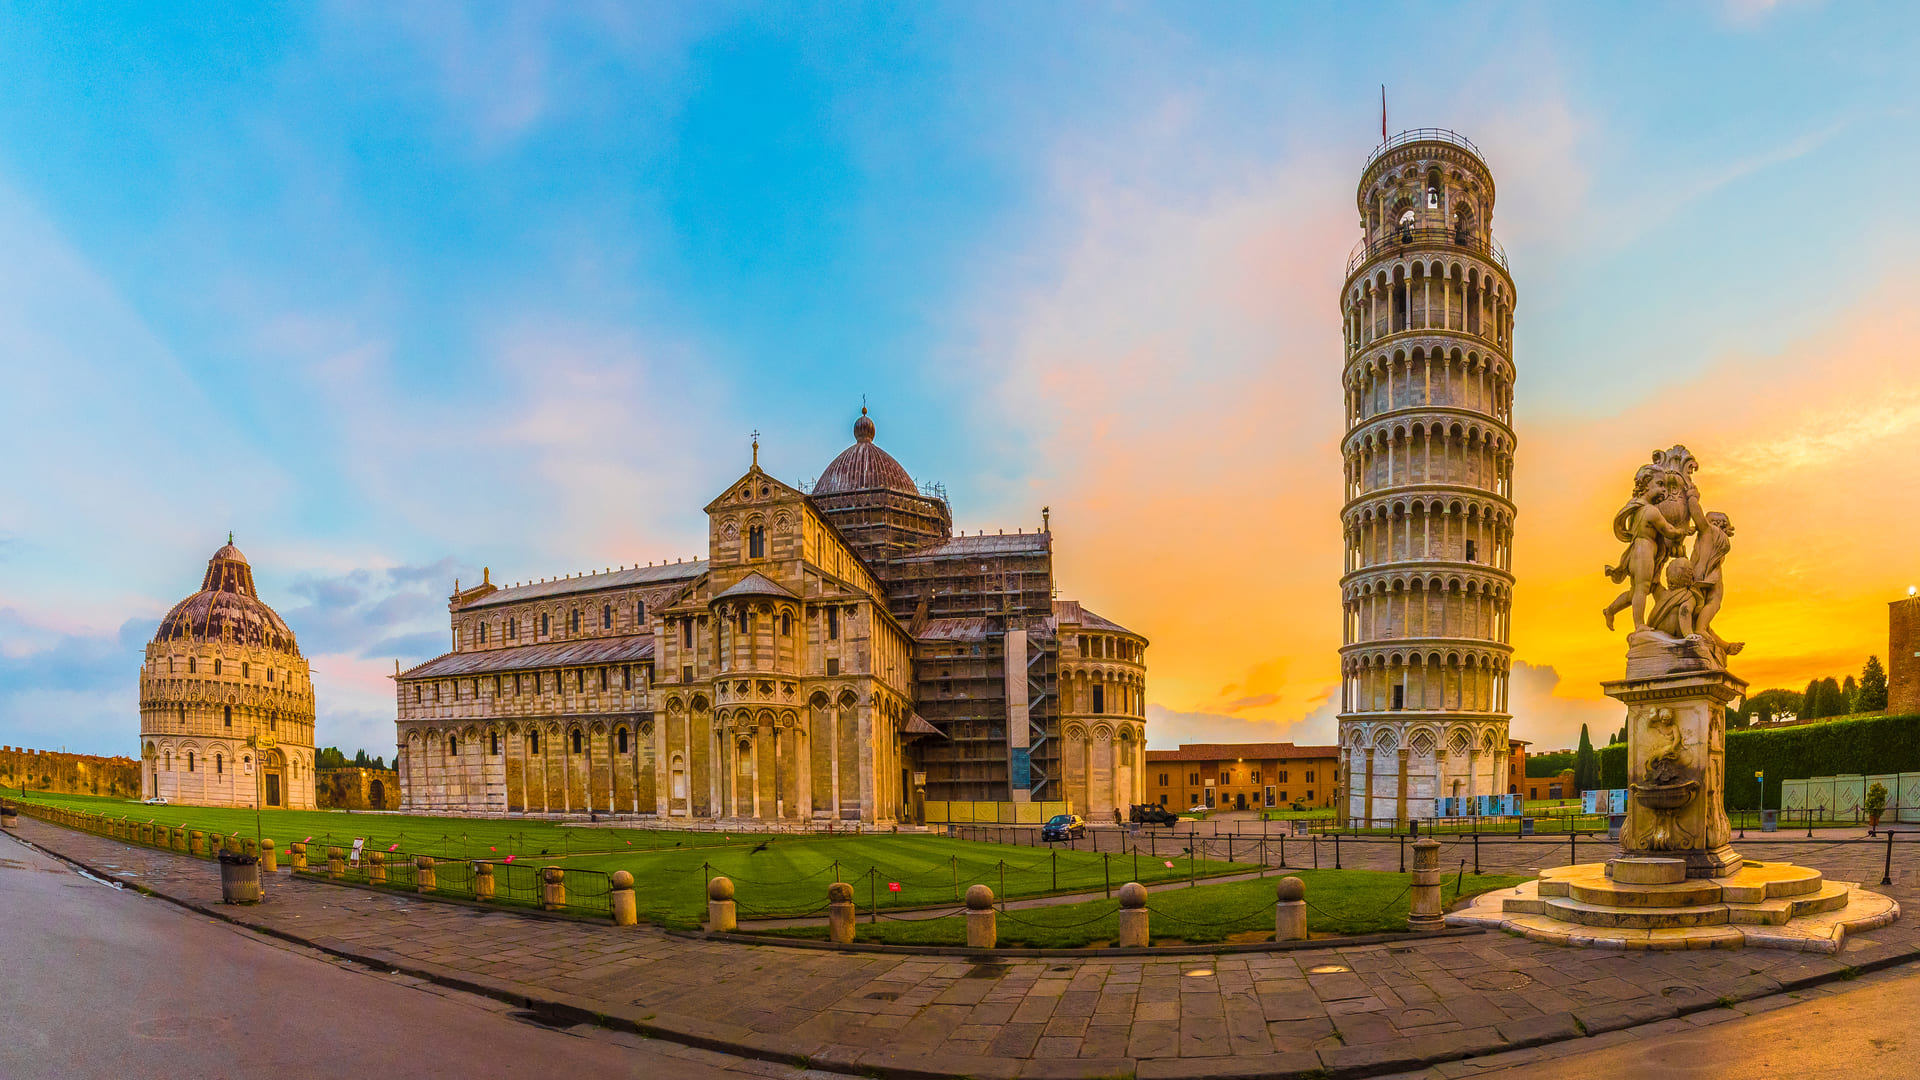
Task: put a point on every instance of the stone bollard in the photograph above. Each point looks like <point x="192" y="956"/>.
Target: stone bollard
<point x="180" y="839"/>
<point x="483" y="881"/>
<point x="983" y="923"/>
<point x="840" y="913"/>
<point x="297" y="856"/>
<point x="626" y="911"/>
<point x="1425" y="913"/>
<point x="553" y="893"/>
<point x="269" y="862"/>
<point x="1290" y="910"/>
<point x="197" y="843"/>
<point x="146" y="834"/>
<point x="720" y="910"/>
<point x="376" y="868"/>
<point x="423" y="876"/>
<point x="336" y="863"/>
<point x="251" y="847"/>
<point x="1133" y="916"/>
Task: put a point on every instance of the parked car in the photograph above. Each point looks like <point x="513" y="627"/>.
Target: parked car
<point x="1063" y="827"/>
<point x="1198" y="808"/>
<point x="1153" y="814"/>
<point x="157" y="800"/>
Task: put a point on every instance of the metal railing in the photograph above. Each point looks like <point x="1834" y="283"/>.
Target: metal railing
<point x="1402" y="237"/>
<point x="1414" y="135"/>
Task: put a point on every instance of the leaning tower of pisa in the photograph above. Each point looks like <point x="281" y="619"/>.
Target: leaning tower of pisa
<point x="1428" y="516"/>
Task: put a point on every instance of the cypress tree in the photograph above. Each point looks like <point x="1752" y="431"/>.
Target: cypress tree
<point x="1831" y="703"/>
<point x="1586" y="767"/>
<point x="1852" y="693"/>
<point x="1873" y="687"/>
<point x="1810" y="701"/>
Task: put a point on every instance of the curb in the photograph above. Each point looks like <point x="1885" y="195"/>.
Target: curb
<point x="1341" y="1063"/>
<point x="989" y="955"/>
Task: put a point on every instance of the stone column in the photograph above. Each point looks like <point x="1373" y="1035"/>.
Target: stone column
<point x="840" y="913"/>
<point x="296" y="853"/>
<point x="377" y="868"/>
<point x="982" y="921"/>
<point x="720" y="907"/>
<point x="483" y="881"/>
<point x="336" y="863"/>
<point x="1424" y="912"/>
<point x="1290" y="910"/>
<point x="553" y="889"/>
<point x="269" y="862"/>
<point x="1676" y="768"/>
<point x="620" y="898"/>
<point x="1133" y="916"/>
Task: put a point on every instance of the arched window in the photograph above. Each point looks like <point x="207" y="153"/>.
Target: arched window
<point x="533" y="742"/>
<point x="513" y="629"/>
<point x="573" y="621"/>
<point x="576" y="740"/>
<point x="757" y="542"/>
<point x="168" y="758"/>
<point x="229" y="711"/>
<point x="603" y="678"/>
<point x="626" y="677"/>
<point x="545" y="626"/>
<point x="216" y="667"/>
<point x="189" y="761"/>
<point x="219" y="765"/>
<point x="493" y="743"/>
<point x="622" y="735"/>
<point x="639" y="613"/>
<point x="453" y="746"/>
<point x="786" y="624"/>
<point x="246" y="670"/>
<point x="606" y="616"/>
<point x="193" y="665"/>
<point x="745" y="620"/>
<point x="483" y="633"/>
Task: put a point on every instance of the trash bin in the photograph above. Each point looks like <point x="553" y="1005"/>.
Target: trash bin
<point x="239" y="878"/>
<point x="1769" y="820"/>
<point x="1526" y="826"/>
<point x="1615" y="822"/>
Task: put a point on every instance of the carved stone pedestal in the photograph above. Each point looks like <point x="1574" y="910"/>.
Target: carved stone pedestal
<point x="1677" y="769"/>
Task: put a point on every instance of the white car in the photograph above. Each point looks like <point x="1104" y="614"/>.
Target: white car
<point x="1198" y="808"/>
<point x="157" y="800"/>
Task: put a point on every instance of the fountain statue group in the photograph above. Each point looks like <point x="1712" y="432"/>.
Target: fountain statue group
<point x="1674" y="593"/>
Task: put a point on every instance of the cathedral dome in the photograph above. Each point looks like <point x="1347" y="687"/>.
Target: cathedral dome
<point x="227" y="608"/>
<point x="864" y="467"/>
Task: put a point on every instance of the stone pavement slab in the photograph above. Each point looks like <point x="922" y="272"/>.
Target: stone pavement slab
<point x="1371" y="1010"/>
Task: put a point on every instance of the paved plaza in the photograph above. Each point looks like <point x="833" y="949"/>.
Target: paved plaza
<point x="1359" y="1010"/>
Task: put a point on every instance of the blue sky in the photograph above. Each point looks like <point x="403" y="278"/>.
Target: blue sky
<point x="395" y="291"/>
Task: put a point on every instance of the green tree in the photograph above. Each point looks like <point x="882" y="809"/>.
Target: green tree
<point x="1873" y="687"/>
<point x="1852" y="693"/>
<point x="1773" y="704"/>
<point x="1810" y="701"/>
<point x="1832" y="702"/>
<point x="329" y="757"/>
<point x="1586" y="767"/>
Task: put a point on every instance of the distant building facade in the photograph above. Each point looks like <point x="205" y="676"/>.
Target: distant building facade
<point x="226" y="699"/>
<point x="1243" y="776"/>
<point x="1903" y="656"/>
<point x="838" y="656"/>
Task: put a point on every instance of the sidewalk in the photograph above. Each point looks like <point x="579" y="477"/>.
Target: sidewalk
<point x="1356" y="1011"/>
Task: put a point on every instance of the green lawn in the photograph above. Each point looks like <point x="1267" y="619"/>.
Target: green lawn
<point x="1339" y="902"/>
<point x="774" y="876"/>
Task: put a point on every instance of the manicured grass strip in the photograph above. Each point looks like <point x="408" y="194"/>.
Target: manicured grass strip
<point x="1338" y="902"/>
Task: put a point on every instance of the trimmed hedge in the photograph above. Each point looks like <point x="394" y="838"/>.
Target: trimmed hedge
<point x="1542" y="766"/>
<point x="1864" y="746"/>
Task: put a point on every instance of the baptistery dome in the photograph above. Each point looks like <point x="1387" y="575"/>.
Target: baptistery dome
<point x="228" y="608"/>
<point x="226" y="699"/>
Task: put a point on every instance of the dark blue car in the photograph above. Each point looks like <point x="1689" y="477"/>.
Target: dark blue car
<point x="1063" y="827"/>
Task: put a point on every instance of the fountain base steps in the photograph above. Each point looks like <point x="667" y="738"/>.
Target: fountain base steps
<point x="1650" y="903"/>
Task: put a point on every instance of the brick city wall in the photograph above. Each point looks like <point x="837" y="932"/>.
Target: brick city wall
<point x="355" y="788"/>
<point x="68" y="774"/>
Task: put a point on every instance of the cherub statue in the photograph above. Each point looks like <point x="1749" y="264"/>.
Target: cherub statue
<point x="1645" y="525"/>
<point x="1709" y="552"/>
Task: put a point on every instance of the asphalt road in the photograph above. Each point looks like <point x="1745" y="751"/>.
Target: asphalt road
<point x="97" y="981"/>
<point x="1864" y="1034"/>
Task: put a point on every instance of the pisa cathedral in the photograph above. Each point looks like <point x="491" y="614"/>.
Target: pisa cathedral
<point x="838" y="655"/>
<point x="226" y="700"/>
<point x="1428" y="521"/>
